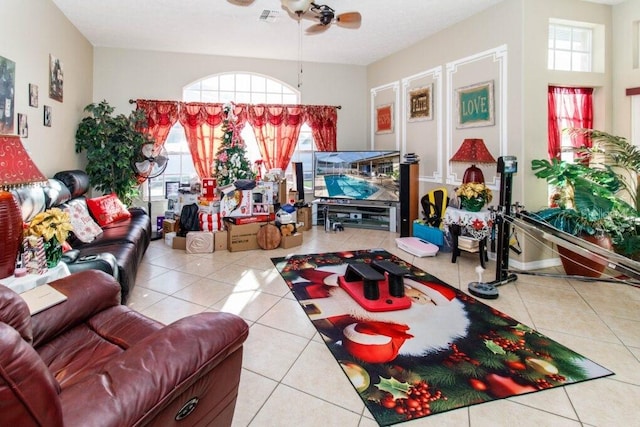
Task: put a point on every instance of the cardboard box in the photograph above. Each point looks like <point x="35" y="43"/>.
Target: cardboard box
<point x="236" y="203"/>
<point x="199" y="242"/>
<point x="242" y="237"/>
<point x="179" y="243"/>
<point x="169" y="226"/>
<point x="291" y="241"/>
<point x="304" y="218"/>
<point x="282" y="192"/>
<point x="220" y="241"/>
<point x="168" y="238"/>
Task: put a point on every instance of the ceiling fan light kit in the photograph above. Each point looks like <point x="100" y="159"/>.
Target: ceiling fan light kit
<point x="297" y="6"/>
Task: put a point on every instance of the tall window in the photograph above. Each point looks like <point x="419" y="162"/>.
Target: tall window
<point x="239" y="88"/>
<point x="570" y="47"/>
<point x="569" y="107"/>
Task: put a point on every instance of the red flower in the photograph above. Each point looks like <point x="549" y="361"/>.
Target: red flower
<point x="478" y="224"/>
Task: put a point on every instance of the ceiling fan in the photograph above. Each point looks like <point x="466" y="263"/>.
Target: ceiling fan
<point x="325" y="15"/>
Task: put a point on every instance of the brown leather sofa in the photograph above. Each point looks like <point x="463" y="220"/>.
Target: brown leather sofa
<point x="90" y="361"/>
<point x="126" y="240"/>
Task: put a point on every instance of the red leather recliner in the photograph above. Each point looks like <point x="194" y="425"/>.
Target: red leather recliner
<point x="90" y="361"/>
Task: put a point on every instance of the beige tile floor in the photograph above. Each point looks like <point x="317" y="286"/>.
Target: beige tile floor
<point x="289" y="377"/>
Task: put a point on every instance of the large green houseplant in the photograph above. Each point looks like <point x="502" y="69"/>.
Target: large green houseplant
<point x="589" y="198"/>
<point x="112" y="143"/>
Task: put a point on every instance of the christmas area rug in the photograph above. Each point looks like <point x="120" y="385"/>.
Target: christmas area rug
<point x="442" y="351"/>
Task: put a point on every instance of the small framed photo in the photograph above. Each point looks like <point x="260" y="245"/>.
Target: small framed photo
<point x="23" y="126"/>
<point x="421" y="104"/>
<point x="33" y="95"/>
<point x="475" y="105"/>
<point x="56" y="78"/>
<point x="47" y="116"/>
<point x="384" y="119"/>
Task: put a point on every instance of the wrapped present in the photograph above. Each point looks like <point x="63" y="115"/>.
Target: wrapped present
<point x="210" y="222"/>
<point x="34" y="258"/>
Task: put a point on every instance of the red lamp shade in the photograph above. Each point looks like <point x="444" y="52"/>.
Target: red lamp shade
<point x="473" y="151"/>
<point x="16" y="169"/>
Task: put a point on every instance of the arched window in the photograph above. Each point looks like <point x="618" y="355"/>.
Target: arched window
<point x="239" y="88"/>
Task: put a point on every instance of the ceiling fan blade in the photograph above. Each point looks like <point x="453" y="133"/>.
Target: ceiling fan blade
<point x="349" y="20"/>
<point x="316" y="29"/>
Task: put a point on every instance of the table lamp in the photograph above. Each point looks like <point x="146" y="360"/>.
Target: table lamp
<point x="16" y="169"/>
<point x="473" y="151"/>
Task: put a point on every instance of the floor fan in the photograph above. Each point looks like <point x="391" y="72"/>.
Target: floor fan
<point x="150" y="164"/>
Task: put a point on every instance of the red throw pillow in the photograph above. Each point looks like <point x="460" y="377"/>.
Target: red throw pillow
<point x="108" y="209"/>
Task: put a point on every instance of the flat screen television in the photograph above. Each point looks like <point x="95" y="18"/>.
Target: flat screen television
<point x="357" y="175"/>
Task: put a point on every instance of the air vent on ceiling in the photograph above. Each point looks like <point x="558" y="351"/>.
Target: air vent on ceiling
<point x="269" y="15"/>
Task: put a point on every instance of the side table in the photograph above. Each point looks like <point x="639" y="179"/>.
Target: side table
<point x="30" y="281"/>
<point x="466" y="223"/>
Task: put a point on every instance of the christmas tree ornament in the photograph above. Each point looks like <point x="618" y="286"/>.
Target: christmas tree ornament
<point x="542" y="366"/>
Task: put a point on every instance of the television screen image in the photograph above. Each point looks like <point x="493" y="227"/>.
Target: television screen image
<point x="357" y="175"/>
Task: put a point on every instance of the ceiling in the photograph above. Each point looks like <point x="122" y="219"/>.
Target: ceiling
<point x="218" y="27"/>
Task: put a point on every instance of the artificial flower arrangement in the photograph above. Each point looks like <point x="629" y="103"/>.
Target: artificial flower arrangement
<point x="474" y="195"/>
<point x="44" y="237"/>
<point x="51" y="223"/>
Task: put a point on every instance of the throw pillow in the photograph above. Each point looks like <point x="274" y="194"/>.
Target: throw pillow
<point x="84" y="227"/>
<point x="108" y="209"/>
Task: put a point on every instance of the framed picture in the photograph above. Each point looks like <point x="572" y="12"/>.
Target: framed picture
<point x="47" y="116"/>
<point x="171" y="189"/>
<point x="475" y="105"/>
<point x="7" y="89"/>
<point x="33" y="95"/>
<point x="56" y="78"/>
<point x="384" y="118"/>
<point x="421" y="104"/>
<point x="23" y="126"/>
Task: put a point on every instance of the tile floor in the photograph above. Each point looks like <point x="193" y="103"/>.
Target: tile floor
<point x="291" y="379"/>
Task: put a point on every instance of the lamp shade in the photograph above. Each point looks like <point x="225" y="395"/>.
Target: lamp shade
<point x="16" y="166"/>
<point x="473" y="151"/>
<point x="16" y="169"/>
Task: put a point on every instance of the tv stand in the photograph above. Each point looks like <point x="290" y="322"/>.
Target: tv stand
<point x="356" y="213"/>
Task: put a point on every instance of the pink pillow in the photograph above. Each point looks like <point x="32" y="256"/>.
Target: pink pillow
<point x="84" y="227"/>
<point x="108" y="209"/>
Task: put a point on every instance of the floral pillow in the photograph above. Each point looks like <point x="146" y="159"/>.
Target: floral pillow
<point x="84" y="227"/>
<point x="108" y="209"/>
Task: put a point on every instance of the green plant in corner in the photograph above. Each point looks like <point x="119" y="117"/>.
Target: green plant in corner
<point x="589" y="192"/>
<point x="112" y="143"/>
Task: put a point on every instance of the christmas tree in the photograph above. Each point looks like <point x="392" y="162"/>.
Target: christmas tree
<point x="231" y="159"/>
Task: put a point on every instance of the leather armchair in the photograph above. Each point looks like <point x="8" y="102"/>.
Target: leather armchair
<point x="90" y="361"/>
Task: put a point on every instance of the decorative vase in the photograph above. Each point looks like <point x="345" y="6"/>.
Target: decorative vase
<point x="472" y="204"/>
<point x="53" y="251"/>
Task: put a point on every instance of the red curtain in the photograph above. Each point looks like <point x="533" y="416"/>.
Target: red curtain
<point x="276" y="128"/>
<point x="161" y="116"/>
<point x="202" y="125"/>
<point x="569" y="107"/>
<point x="323" y="123"/>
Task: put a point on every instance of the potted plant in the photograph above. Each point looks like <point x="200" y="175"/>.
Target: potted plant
<point x="112" y="143"/>
<point x="588" y="201"/>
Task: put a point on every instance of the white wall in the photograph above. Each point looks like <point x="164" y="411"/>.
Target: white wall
<point x="122" y="74"/>
<point x="626" y="16"/>
<point x="30" y="31"/>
